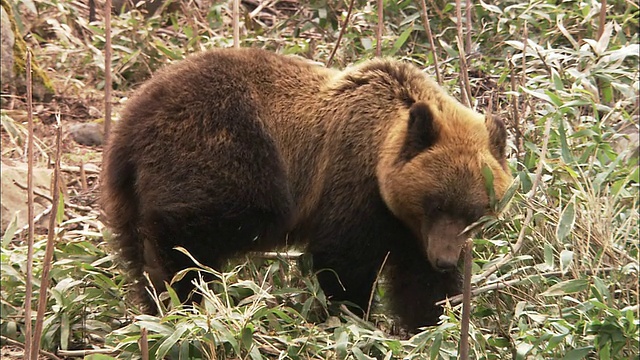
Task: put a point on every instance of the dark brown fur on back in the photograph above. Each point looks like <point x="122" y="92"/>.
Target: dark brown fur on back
<point x="230" y="150"/>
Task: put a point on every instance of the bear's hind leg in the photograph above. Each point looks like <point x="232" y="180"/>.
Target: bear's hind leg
<point x="347" y="274"/>
<point x="210" y="239"/>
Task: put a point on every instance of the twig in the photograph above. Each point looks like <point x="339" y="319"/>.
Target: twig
<point x="259" y="8"/>
<point x="467" y="45"/>
<point x="30" y="211"/>
<point x="89" y="170"/>
<point x="83" y="353"/>
<point x="24" y="346"/>
<point x="107" y="70"/>
<point x="49" y="198"/>
<point x="373" y="287"/>
<point x="527" y="220"/>
<point x="236" y="24"/>
<point x="465" y="87"/>
<point x="83" y="177"/>
<point x="144" y="344"/>
<point x="35" y="220"/>
<point x="515" y="113"/>
<point x="342" y="30"/>
<point x="48" y="254"/>
<point x="457" y="299"/>
<point x="289" y="255"/>
<point x="379" y="29"/>
<point x="427" y="27"/>
<point x="602" y="18"/>
<point x="356" y="318"/>
<point x="466" y="303"/>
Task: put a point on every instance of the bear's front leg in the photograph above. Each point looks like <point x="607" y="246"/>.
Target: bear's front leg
<point x="416" y="286"/>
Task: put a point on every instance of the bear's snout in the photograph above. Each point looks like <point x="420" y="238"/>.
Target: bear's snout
<point x="444" y="243"/>
<point x="445" y="265"/>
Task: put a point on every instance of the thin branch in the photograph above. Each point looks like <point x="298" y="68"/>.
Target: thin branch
<point x="289" y="255"/>
<point x="107" y="70"/>
<point x="36" y="219"/>
<point x="236" y="24"/>
<point x="457" y="299"/>
<point x="89" y="170"/>
<point x="83" y="177"/>
<point x="357" y="319"/>
<point x="49" y="198"/>
<point x="87" y="352"/>
<point x="144" y="344"/>
<point x="427" y="27"/>
<point x="48" y="255"/>
<point x="341" y="34"/>
<point x="602" y="18"/>
<point x="30" y="211"/>
<point x="515" y="113"/>
<point x="466" y="303"/>
<point x="379" y="29"/>
<point x="373" y="287"/>
<point x="465" y="87"/>
<point x="467" y="45"/>
<point x="10" y="341"/>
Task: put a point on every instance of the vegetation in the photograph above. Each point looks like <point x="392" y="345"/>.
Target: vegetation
<point x="556" y="271"/>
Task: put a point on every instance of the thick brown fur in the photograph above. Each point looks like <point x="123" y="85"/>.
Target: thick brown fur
<point x="230" y="150"/>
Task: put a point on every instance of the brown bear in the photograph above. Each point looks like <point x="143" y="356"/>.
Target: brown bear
<point x="230" y="151"/>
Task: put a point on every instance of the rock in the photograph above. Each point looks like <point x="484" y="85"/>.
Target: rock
<point x="7" y="40"/>
<point x="14" y="198"/>
<point x="90" y="134"/>
<point x="42" y="86"/>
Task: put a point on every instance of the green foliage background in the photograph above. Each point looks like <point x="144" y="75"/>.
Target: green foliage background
<point x="567" y="290"/>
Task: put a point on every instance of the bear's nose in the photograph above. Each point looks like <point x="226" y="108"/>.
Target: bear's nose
<point x="445" y="265"/>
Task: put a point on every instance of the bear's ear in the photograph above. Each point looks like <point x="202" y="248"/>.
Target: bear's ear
<point x="497" y="139"/>
<point x="421" y="131"/>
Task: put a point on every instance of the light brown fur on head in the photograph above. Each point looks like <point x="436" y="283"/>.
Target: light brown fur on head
<point x="439" y="189"/>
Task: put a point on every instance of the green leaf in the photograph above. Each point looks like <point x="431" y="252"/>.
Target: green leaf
<point x="169" y="342"/>
<point x="566" y="151"/>
<point x="567" y="287"/>
<point x="435" y="346"/>
<point x="341" y="343"/>
<point x="577" y="354"/>
<point x="548" y="255"/>
<point x="557" y="81"/>
<point x="60" y="211"/>
<point x="488" y="183"/>
<point x="508" y="195"/>
<point x="603" y="42"/>
<point x="10" y="231"/>
<point x="567" y="220"/>
<point x="566" y="258"/>
<point x="358" y="354"/>
<point x="555" y="99"/>
<point x="247" y="337"/>
<point x="401" y="40"/>
<point x="491" y="8"/>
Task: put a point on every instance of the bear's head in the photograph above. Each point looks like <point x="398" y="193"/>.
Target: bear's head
<point x="430" y="173"/>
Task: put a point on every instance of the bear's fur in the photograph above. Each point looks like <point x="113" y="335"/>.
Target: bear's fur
<point x="232" y="151"/>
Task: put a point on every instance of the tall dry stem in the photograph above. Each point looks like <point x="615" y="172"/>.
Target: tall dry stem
<point x="236" y="24"/>
<point x="107" y="70"/>
<point x="427" y="27"/>
<point x="30" y="211"/>
<point x="48" y="254"/>
<point x="341" y="34"/>
<point x="379" y="29"/>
